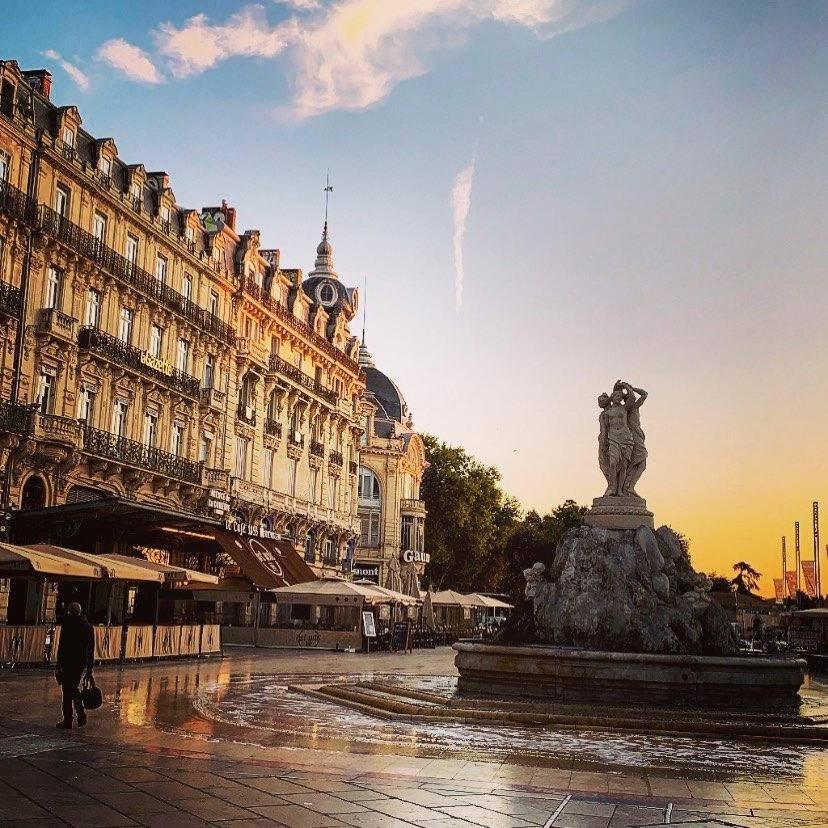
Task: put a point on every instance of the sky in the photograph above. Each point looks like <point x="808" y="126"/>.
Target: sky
<point x="542" y="196"/>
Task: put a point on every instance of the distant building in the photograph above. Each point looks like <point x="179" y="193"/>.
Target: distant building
<point x="392" y="462"/>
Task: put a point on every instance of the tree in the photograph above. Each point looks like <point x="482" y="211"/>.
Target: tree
<point x="720" y="583"/>
<point x="469" y="519"/>
<point x="747" y="578"/>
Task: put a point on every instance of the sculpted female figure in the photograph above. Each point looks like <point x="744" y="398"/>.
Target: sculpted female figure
<point x="638" y="460"/>
<point x="615" y="441"/>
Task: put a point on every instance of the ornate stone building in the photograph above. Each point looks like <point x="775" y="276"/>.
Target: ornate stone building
<point x="161" y="373"/>
<point x="392" y="462"/>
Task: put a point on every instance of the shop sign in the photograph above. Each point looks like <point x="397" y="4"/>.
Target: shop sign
<point x="233" y="524"/>
<point x="367" y="571"/>
<point x="218" y="501"/>
<point x="410" y="556"/>
<point x="157" y="363"/>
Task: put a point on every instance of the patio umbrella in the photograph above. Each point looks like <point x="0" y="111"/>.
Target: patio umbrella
<point x="328" y="592"/>
<point x="428" y="610"/>
<point x="398" y="597"/>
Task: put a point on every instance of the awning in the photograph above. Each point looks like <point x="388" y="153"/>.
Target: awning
<point x="390" y="595"/>
<point x="329" y="592"/>
<point x="171" y="573"/>
<point x="112" y="569"/>
<point x="23" y="560"/>
<point x="492" y="603"/>
<point x="268" y="563"/>
<point x="450" y="598"/>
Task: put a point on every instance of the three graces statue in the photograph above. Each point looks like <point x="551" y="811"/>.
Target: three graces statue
<point x="622" y="454"/>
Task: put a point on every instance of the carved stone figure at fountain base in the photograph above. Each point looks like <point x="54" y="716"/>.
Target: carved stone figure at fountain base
<point x="619" y="512"/>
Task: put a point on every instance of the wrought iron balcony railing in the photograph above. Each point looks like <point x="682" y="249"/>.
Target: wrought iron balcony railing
<point x="87" y="245"/>
<point x="247" y="414"/>
<point x="280" y="366"/>
<point x="296" y="439"/>
<point x="13" y="417"/>
<point x="335" y="458"/>
<point x="273" y="428"/>
<point x="16" y="203"/>
<point x="120" y="449"/>
<point x="316" y="448"/>
<point x="9" y="300"/>
<point x="412" y="505"/>
<point x="99" y="342"/>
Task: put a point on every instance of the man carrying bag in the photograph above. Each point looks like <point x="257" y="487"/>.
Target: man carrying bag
<point x="75" y="656"/>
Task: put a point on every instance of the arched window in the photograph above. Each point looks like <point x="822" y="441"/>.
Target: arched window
<point x="370" y="507"/>
<point x="327" y="294"/>
<point x="369" y="489"/>
<point x="310" y="548"/>
<point x="33" y="495"/>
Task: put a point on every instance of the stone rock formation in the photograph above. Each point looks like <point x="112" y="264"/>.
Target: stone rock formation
<point x="626" y="590"/>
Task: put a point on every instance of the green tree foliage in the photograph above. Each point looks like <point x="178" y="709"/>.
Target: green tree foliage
<point x="469" y="519"/>
<point x="720" y="583"/>
<point x="747" y="578"/>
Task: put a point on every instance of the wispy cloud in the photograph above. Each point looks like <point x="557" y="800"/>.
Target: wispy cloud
<point x="347" y="54"/>
<point x="131" y="60"/>
<point x="78" y="76"/>
<point x="460" y="205"/>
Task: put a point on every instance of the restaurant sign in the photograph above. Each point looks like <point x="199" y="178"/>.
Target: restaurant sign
<point x="364" y="571"/>
<point x="218" y="501"/>
<point x="410" y="556"/>
<point x="254" y="530"/>
<point x="157" y="363"/>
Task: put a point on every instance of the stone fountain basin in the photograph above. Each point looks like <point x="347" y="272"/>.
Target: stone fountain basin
<point x="567" y="674"/>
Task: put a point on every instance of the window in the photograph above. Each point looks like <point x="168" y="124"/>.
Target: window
<point x="240" y="464"/>
<point x="248" y="327"/>
<point x="177" y="439"/>
<point x="292" y="477"/>
<point x="2" y="251"/>
<point x="150" y="428"/>
<point x="135" y="194"/>
<point x="182" y="359"/>
<point x="366" y="426"/>
<point x="46" y="393"/>
<point x="187" y="286"/>
<point x="86" y="405"/>
<point x="161" y="270"/>
<point x="125" y="325"/>
<point x="327" y="294"/>
<point x="368" y="486"/>
<point x="119" y="418"/>
<point x="209" y="370"/>
<point x="131" y="251"/>
<point x="205" y="448"/>
<point x="99" y="228"/>
<point x="105" y="166"/>
<point x="54" y="282"/>
<point x="274" y="345"/>
<point x="156" y="340"/>
<point x="267" y="468"/>
<point x="190" y="236"/>
<point x="165" y="218"/>
<point x="93" y="308"/>
<point x="313" y="486"/>
<point x="310" y="548"/>
<point x="330" y="551"/>
<point x="333" y="491"/>
<point x="419" y="538"/>
<point x="213" y="307"/>
<point x="5" y="166"/>
<point x="369" y="521"/>
<point x="62" y="201"/>
<point x="68" y="136"/>
<point x="407" y="532"/>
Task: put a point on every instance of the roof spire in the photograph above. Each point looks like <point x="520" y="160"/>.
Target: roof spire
<point x="364" y="309"/>
<point x="324" y="265"/>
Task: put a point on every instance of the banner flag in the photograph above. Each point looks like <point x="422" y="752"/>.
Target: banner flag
<point x="790" y="580"/>
<point x="809" y="572"/>
<point x="779" y="588"/>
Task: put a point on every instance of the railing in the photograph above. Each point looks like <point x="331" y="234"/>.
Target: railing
<point x="16" y="203"/>
<point x="261" y="295"/>
<point x="9" y="300"/>
<point x="296" y="439"/>
<point x="215" y="478"/>
<point x="251" y="348"/>
<point x="213" y="397"/>
<point x="247" y="414"/>
<point x="87" y="245"/>
<point x="273" y="428"/>
<point x="94" y="339"/>
<point x="13" y="417"/>
<point x="410" y="505"/>
<point x="51" y="320"/>
<point x="317" y="449"/>
<point x="335" y="457"/>
<point x="122" y="450"/>
<point x="66" y="150"/>
<point x="57" y="429"/>
<point x="352" y="467"/>
<point x="277" y="364"/>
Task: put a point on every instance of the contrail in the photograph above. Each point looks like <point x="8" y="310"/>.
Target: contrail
<point x="460" y="204"/>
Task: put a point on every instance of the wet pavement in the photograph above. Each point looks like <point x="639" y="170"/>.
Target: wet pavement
<point x="226" y="742"/>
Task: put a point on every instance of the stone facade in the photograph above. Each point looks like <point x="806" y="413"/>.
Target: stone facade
<point x="165" y="356"/>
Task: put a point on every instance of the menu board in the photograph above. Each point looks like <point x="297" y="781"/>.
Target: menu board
<point x="369" y="625"/>
<point x="401" y="636"/>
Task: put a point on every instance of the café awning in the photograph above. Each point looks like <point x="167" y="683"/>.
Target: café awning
<point x="492" y="603"/>
<point x="111" y="569"/>
<point x="177" y="574"/>
<point x="329" y="592"/>
<point x="23" y="560"/>
<point x="268" y="563"/>
<point x="450" y="598"/>
<point x="391" y="596"/>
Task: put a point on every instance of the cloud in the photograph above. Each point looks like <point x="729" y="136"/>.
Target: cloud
<point x="199" y="45"/>
<point x="78" y="76"/>
<point x="460" y="205"/>
<point x="130" y="60"/>
<point x="346" y="54"/>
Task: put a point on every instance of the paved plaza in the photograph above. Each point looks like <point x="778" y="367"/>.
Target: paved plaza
<point x="224" y="742"/>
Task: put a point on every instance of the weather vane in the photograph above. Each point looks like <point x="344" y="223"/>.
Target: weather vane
<point x="328" y="190"/>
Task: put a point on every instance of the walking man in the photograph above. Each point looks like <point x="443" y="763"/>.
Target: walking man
<point x="75" y="657"/>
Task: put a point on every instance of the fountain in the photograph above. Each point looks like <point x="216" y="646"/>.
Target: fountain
<point x="621" y="616"/>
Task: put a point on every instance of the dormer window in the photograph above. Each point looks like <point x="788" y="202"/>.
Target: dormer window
<point x="105" y="166"/>
<point x="135" y="195"/>
<point x="68" y="137"/>
<point x="165" y="218"/>
<point x="326" y="294"/>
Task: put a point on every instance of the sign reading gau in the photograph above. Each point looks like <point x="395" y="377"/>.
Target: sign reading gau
<point x="410" y="556"/>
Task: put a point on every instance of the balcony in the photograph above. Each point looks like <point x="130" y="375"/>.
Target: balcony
<point x="85" y="244"/>
<point x="9" y="300"/>
<point x="279" y="366"/>
<point x="273" y="428"/>
<point x="142" y="362"/>
<point x="246" y="490"/>
<point x="250" y="349"/>
<point x="14" y="418"/>
<point x="53" y="429"/>
<point x="317" y="449"/>
<point x="53" y="322"/>
<point x="215" y="478"/>
<point x="295" y="438"/>
<point x="16" y="203"/>
<point x="247" y="414"/>
<point x="129" y="453"/>
<point x="213" y="398"/>
<point x="335" y="458"/>
<point x="412" y="507"/>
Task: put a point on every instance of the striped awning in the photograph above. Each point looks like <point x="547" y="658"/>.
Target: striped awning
<point x="26" y="560"/>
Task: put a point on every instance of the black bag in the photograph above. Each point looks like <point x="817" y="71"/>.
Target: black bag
<point x="90" y="695"/>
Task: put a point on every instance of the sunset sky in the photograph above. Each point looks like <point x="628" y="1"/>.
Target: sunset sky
<point x="543" y="196"/>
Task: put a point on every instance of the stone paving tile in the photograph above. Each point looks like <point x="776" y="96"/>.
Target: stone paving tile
<point x="428" y="799"/>
<point x="324" y="803"/>
<point x="135" y="803"/>
<point x="173" y="819"/>
<point x="401" y="810"/>
<point x="589" y="781"/>
<point x="628" y="784"/>
<point x="581" y="821"/>
<point x="484" y="817"/>
<point x="134" y="774"/>
<point x="361" y="795"/>
<point x="250" y="822"/>
<point x="584" y="806"/>
<point x="212" y="808"/>
<point x="96" y="815"/>
<point x="20" y="809"/>
<point x="374" y="820"/>
<point x="295" y="816"/>
<point x="45" y="822"/>
<point x="170" y="790"/>
<point x="513" y="807"/>
<point x="273" y="785"/>
<point x="246" y="797"/>
<point x="446" y="822"/>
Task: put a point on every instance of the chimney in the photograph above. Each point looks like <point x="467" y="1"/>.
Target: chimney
<point x="229" y="214"/>
<point x="40" y="80"/>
